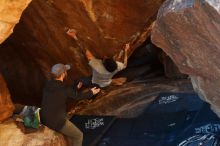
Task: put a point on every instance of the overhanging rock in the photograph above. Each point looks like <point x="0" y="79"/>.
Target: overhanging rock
<point x="39" y="40"/>
<point x="10" y="13"/>
<point x="188" y="31"/>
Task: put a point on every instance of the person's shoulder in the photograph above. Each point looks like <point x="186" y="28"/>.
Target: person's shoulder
<point x="94" y="59"/>
<point x="94" y="62"/>
<point x="49" y="82"/>
<point x="52" y="84"/>
<point x="120" y="65"/>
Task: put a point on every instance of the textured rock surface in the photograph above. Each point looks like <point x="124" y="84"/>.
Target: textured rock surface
<point x="6" y="105"/>
<point x="11" y="135"/>
<point x="188" y="31"/>
<point x="131" y="99"/>
<point x="40" y="40"/>
<point x="128" y="101"/>
<point x="10" y="13"/>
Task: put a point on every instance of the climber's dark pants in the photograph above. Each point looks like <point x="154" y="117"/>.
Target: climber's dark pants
<point x="87" y="82"/>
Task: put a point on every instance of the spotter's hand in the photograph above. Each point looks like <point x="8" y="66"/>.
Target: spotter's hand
<point x="95" y="90"/>
<point x="79" y="85"/>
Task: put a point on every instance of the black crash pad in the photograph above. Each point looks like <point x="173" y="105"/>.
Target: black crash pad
<point x="93" y="127"/>
<point x="172" y="119"/>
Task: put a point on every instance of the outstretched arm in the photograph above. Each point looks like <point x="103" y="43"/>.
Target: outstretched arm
<point x="72" y="33"/>
<point x="127" y="47"/>
<point x="123" y="54"/>
<point x="89" y="54"/>
<point x="118" y="56"/>
<point x="77" y="95"/>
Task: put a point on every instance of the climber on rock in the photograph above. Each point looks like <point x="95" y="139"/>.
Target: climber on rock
<point x="53" y="108"/>
<point x="103" y="70"/>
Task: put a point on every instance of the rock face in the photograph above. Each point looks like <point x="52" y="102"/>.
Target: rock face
<point x="10" y="13"/>
<point x="6" y="105"/>
<point x="39" y="40"/>
<point x="170" y="68"/>
<point x="11" y="135"/>
<point x="131" y="99"/>
<point x="188" y="31"/>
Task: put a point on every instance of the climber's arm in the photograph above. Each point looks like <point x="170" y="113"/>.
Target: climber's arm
<point x="89" y="55"/>
<point x="127" y="47"/>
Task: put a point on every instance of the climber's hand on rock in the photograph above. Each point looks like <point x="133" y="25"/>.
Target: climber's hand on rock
<point x="72" y="33"/>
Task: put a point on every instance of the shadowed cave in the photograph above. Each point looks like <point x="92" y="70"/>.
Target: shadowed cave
<point x="38" y="42"/>
<point x="168" y="52"/>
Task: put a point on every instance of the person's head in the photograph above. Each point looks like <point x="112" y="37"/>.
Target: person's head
<point x="110" y="64"/>
<point x="59" y="71"/>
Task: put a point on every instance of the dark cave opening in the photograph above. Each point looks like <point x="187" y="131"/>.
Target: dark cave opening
<point x="154" y="61"/>
<point x="149" y="61"/>
<point x="39" y="40"/>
